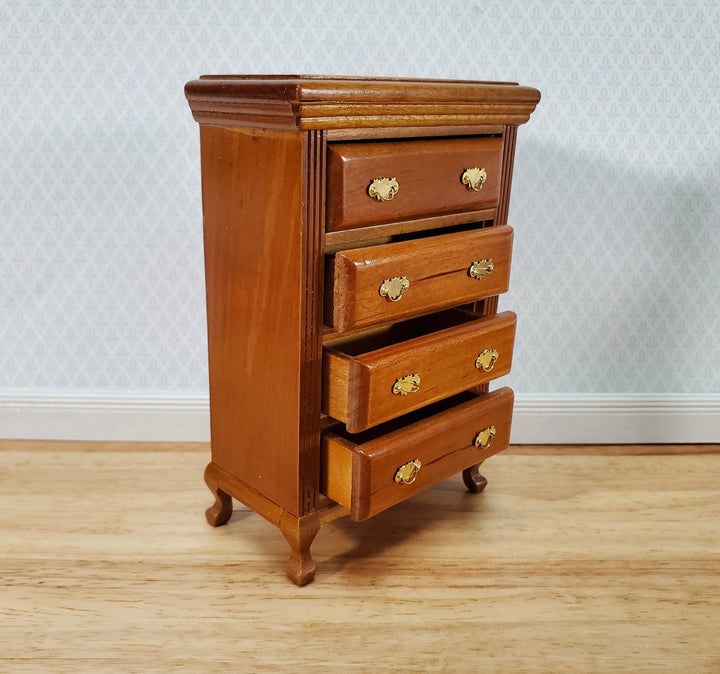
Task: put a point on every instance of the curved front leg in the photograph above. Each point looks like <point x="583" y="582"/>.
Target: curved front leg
<point x="473" y="480"/>
<point x="300" y="532"/>
<point x="218" y="513"/>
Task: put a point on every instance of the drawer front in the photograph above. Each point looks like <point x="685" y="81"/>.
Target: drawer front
<point x="396" y="280"/>
<point x="368" y="477"/>
<point x="370" y="388"/>
<point x="378" y="182"/>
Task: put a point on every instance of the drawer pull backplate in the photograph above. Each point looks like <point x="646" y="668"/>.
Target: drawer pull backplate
<point x="481" y="268"/>
<point x="474" y="178"/>
<point x="486" y="360"/>
<point x="383" y="189"/>
<point x="410" y="383"/>
<point x="393" y="288"/>
<point x="407" y="473"/>
<point x="484" y="437"/>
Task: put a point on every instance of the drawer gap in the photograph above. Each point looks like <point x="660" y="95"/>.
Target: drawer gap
<point x="393" y="425"/>
<point x="419" y="137"/>
<point x="413" y="235"/>
<point x="361" y="236"/>
<point x="376" y="338"/>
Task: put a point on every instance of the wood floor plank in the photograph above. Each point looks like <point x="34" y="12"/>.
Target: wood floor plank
<point x="566" y="562"/>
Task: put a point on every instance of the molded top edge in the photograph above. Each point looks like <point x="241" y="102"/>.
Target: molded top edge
<point x="325" y="102"/>
<point x="347" y="88"/>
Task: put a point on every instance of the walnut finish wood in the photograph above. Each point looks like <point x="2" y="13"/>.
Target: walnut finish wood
<point x="259" y="329"/>
<point x="314" y="150"/>
<point x="437" y="269"/>
<point x="428" y="172"/>
<point x="221" y="511"/>
<point x="298" y="531"/>
<point x="267" y="179"/>
<point x="442" y="442"/>
<point x="508" y="162"/>
<point x="319" y="102"/>
<point x="473" y="480"/>
<point x="444" y="360"/>
<point x="397" y="132"/>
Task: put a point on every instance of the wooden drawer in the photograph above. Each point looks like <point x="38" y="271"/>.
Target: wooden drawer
<point x="428" y="174"/>
<point x="375" y="378"/>
<point x="365" y="472"/>
<point x="395" y="280"/>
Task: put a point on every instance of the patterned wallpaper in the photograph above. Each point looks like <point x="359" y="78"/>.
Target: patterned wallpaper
<point x="616" y="277"/>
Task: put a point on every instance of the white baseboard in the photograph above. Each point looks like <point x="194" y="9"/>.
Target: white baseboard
<point x="616" y="419"/>
<point x="538" y="418"/>
<point x="151" y="417"/>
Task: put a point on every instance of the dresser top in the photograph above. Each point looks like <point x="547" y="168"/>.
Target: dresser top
<point x="317" y="101"/>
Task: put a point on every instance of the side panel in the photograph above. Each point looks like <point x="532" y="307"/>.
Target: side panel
<point x="253" y="226"/>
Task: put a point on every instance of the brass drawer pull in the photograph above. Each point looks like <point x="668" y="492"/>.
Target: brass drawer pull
<point x="407" y="473"/>
<point x="383" y="189"/>
<point x="484" y="437"/>
<point x="410" y="383"/>
<point x="486" y="360"/>
<point x="481" y="268"/>
<point x="393" y="288"/>
<point x="474" y="178"/>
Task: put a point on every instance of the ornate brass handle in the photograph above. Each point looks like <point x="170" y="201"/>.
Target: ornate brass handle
<point x="474" y="178"/>
<point x="484" y="437"/>
<point x="486" y="360"/>
<point x="410" y="383"/>
<point x="393" y="288"/>
<point x="383" y="189"/>
<point x="481" y="268"/>
<point x="407" y="473"/>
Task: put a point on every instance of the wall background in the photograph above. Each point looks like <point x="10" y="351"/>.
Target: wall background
<point x="615" y="200"/>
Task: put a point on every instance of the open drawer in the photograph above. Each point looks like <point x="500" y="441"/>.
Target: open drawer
<point x="381" y="376"/>
<point x="384" y="283"/>
<point x="372" y="471"/>
<point x="370" y="183"/>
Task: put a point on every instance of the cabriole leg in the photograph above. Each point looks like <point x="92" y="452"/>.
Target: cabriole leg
<point x="300" y="532"/>
<point x="218" y="513"/>
<point x="473" y="480"/>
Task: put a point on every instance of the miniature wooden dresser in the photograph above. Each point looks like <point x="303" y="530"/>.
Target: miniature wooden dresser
<point x="356" y="241"/>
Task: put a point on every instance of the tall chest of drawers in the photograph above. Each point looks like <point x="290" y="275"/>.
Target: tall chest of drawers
<point x="356" y="242"/>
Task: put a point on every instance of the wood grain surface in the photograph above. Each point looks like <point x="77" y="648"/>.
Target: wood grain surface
<point x="444" y="360"/>
<point x="262" y="228"/>
<point x="319" y="102"/>
<point x="443" y="442"/>
<point x="437" y="269"/>
<point x="583" y="562"/>
<point x="252" y="228"/>
<point x="428" y="172"/>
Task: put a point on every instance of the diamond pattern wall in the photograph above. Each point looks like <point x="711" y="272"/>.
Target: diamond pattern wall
<point x="615" y="199"/>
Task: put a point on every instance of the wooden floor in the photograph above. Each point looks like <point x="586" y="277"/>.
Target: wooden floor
<point x="572" y="560"/>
